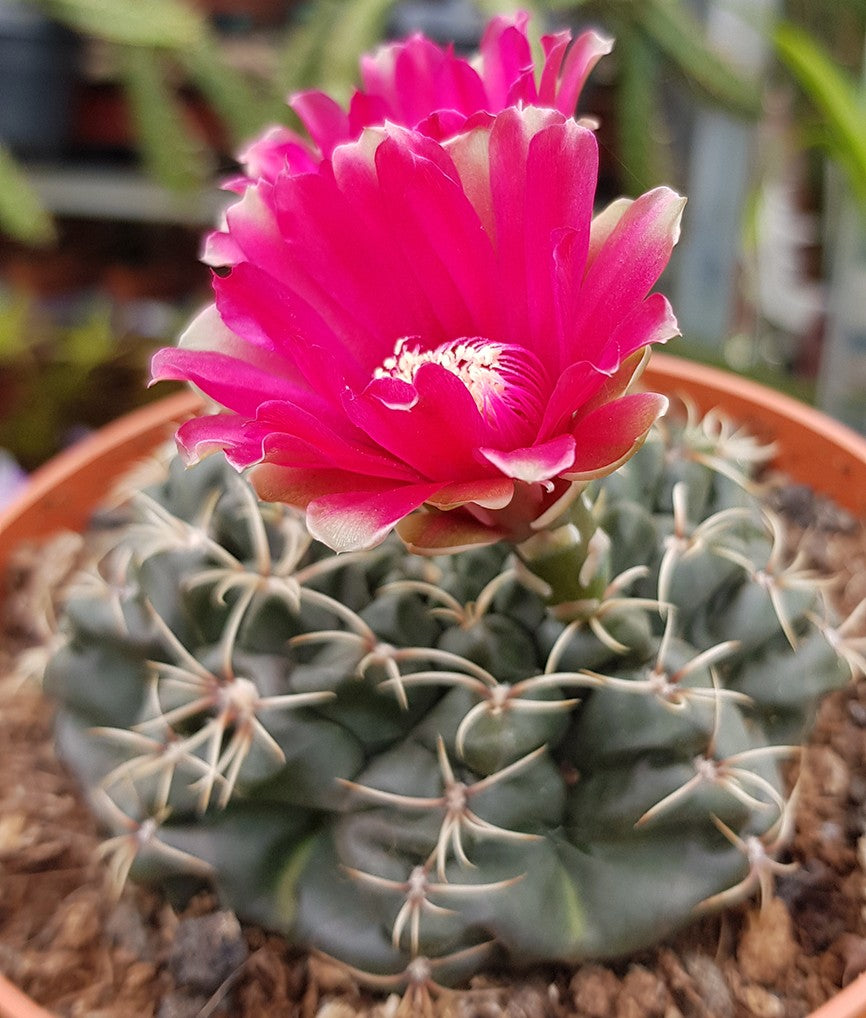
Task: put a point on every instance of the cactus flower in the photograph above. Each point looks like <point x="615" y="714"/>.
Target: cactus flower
<point x="417" y="83"/>
<point x="432" y="324"/>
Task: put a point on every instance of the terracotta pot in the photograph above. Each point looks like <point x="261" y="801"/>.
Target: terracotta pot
<point x="62" y="494"/>
<point x="812" y="448"/>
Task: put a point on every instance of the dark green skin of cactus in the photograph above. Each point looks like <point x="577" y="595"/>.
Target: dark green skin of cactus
<point x="587" y="879"/>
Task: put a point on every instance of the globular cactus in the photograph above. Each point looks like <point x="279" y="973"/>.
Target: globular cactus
<point x="418" y="765"/>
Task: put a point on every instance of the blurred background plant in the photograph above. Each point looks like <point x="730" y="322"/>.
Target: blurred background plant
<point x="748" y="101"/>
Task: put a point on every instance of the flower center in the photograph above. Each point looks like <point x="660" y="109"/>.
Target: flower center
<point x="508" y="383"/>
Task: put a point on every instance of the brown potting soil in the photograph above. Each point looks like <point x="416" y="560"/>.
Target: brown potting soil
<point x="82" y="953"/>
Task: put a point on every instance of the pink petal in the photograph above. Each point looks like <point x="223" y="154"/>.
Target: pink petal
<point x="220" y="249"/>
<point x="353" y="521"/>
<point x="577" y="384"/>
<point x="202" y="436"/>
<point x="416" y="78"/>
<point x="238" y="385"/>
<point x="506" y="57"/>
<point x="366" y="110"/>
<point x="437" y="436"/>
<point x="256" y="306"/>
<point x="345" y="261"/>
<point x="417" y="70"/>
<point x="433" y="533"/>
<point x="561" y="173"/>
<point x="377" y="69"/>
<point x="253" y="227"/>
<point x="537" y="463"/>
<point x="293" y="436"/>
<point x="542" y="177"/>
<point x="298" y="486"/>
<point x="563" y="91"/>
<point x="470" y="152"/>
<point x="442" y="125"/>
<point x="208" y="332"/>
<point x="327" y="123"/>
<point x="459" y="89"/>
<point x="652" y="321"/>
<point x="604" y="224"/>
<point x="618" y="381"/>
<point x="490" y="493"/>
<point x="626" y="267"/>
<point x="437" y="228"/>
<point x="607" y="437"/>
<point x="277" y="150"/>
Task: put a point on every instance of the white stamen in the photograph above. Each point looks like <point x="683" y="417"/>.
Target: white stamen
<point x="508" y="383"/>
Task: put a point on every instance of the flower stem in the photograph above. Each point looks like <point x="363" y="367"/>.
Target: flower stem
<point x="571" y="556"/>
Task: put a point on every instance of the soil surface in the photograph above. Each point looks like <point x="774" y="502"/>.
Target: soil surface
<point x="77" y="950"/>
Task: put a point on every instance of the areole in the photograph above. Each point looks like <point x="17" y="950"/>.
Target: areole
<point x="811" y="448"/>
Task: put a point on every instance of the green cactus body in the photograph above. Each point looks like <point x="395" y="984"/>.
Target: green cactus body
<point x="405" y="762"/>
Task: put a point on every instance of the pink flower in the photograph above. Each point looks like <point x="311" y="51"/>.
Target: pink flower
<point x="443" y="326"/>
<point x="418" y="84"/>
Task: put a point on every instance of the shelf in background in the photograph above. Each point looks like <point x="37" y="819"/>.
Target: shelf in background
<point x="103" y="191"/>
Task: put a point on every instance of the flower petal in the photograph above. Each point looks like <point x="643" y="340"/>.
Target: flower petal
<point x="537" y="463"/>
<point x="651" y="322"/>
<point x="610" y="434"/>
<point x="435" y="224"/>
<point x="577" y="384"/>
<point x="543" y="172"/>
<point x="204" y="436"/>
<point x="220" y="249"/>
<point x="238" y="385"/>
<point x="345" y="259"/>
<point x="295" y="437"/>
<point x="325" y="120"/>
<point x="562" y="91"/>
<point x="255" y="305"/>
<point x="277" y="150"/>
<point x="561" y="173"/>
<point x="506" y="60"/>
<point x="437" y="435"/>
<point x="626" y="267"/>
<point x="604" y="224"/>
<point x="618" y="381"/>
<point x="434" y="533"/>
<point x="489" y="493"/>
<point x="353" y="521"/>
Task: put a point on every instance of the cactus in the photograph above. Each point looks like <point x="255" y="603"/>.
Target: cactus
<point x="420" y="766"/>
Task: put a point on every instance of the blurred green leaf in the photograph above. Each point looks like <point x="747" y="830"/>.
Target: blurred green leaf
<point x="243" y="108"/>
<point x="165" y="23"/>
<point x="324" y="49"/>
<point x="636" y="111"/>
<point x="836" y="97"/>
<point x="170" y="149"/>
<point x="22" y="215"/>
<point x="302" y="54"/>
<point x="681" y="37"/>
<point x="359" y="28"/>
<point x="89" y="344"/>
<point x="14" y="333"/>
<point x="490" y="8"/>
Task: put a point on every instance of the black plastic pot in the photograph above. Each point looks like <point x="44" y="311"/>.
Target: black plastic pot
<point x="38" y="63"/>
